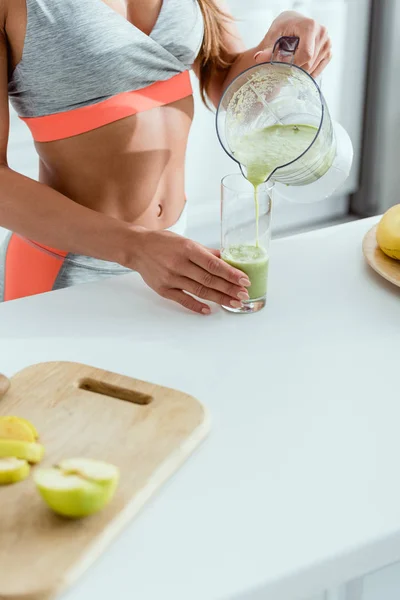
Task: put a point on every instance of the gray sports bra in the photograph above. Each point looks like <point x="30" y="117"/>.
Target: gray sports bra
<point x="78" y="53"/>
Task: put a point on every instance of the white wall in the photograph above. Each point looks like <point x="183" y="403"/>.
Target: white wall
<point x="21" y="152"/>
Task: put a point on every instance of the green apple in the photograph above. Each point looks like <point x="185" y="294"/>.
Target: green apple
<point x="29" y="451"/>
<point x="12" y="470"/>
<point x="77" y="487"/>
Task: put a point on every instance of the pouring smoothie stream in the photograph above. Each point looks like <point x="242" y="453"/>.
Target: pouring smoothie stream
<point x="261" y="152"/>
<point x="264" y="150"/>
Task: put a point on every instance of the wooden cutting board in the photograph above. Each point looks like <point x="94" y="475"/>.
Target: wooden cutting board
<point x="144" y="429"/>
<point x="387" y="267"/>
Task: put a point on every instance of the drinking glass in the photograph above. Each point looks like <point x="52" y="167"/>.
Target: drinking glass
<point x="246" y="234"/>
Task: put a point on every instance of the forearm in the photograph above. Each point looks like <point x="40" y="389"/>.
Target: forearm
<point x="37" y="212"/>
<point x="220" y="81"/>
<point x="243" y="61"/>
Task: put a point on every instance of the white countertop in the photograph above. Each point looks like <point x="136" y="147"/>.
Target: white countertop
<point x="297" y="487"/>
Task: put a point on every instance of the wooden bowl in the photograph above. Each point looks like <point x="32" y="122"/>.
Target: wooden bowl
<point x="387" y="267"/>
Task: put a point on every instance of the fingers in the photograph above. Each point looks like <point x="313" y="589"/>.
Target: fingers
<point x="197" y="271"/>
<point x="213" y="251"/>
<point x="215" y="266"/>
<point x="322" y="54"/>
<point x="322" y="65"/>
<point x="263" y="55"/>
<point x="187" y="301"/>
<point x="314" y="48"/>
<point x="205" y="281"/>
<point x="319" y="43"/>
<point x="305" y="55"/>
<point x="212" y="295"/>
<point x="327" y="57"/>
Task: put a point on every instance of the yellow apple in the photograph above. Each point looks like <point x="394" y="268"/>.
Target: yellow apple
<point x="12" y="428"/>
<point x="388" y="232"/>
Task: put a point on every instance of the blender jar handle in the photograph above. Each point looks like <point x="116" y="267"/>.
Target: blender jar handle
<point x="285" y="47"/>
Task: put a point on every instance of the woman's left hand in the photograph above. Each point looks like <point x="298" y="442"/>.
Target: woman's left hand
<point x="315" y="48"/>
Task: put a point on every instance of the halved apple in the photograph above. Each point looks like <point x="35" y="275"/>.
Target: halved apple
<point x="77" y="487"/>
<point x="13" y="470"/>
<point x="13" y="428"/>
<point x="29" y="451"/>
<point x="28" y="424"/>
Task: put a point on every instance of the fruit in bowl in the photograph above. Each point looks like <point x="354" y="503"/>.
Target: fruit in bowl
<point x="388" y="232"/>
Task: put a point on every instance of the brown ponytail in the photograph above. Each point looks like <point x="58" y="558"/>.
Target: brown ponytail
<point x="213" y="56"/>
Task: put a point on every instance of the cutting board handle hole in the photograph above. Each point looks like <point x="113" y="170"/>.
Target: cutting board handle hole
<point x="114" y="391"/>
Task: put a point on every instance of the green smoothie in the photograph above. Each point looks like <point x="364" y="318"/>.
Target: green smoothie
<point x="263" y="150"/>
<point x="253" y="261"/>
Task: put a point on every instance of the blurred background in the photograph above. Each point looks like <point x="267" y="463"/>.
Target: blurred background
<point x="361" y="87"/>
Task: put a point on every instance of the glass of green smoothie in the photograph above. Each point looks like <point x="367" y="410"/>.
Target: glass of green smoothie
<point x="246" y="234"/>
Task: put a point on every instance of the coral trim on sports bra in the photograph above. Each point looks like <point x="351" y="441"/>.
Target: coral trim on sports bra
<point x="81" y="120"/>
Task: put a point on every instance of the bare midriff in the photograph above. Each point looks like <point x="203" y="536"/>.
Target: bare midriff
<point x="131" y="169"/>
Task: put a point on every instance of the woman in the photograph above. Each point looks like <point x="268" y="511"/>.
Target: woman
<point x="103" y="86"/>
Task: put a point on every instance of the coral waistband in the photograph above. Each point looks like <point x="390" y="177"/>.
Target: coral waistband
<point x="81" y="120"/>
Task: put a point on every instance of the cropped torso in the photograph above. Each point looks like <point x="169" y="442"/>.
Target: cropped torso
<point x="110" y="105"/>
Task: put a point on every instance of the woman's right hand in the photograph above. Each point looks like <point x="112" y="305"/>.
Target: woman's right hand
<point x="178" y="269"/>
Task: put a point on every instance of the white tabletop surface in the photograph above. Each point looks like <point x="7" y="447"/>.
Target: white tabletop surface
<point x="297" y="487"/>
